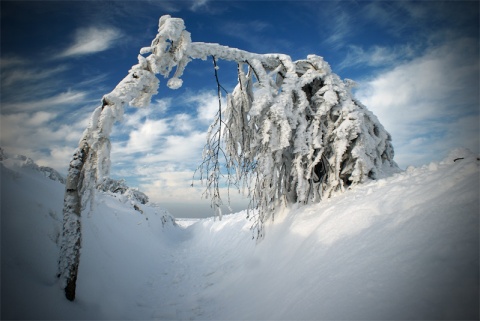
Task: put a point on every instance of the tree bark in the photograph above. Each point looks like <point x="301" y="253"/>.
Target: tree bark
<point x="72" y="230"/>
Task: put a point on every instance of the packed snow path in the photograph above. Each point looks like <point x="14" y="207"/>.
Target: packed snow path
<point x="403" y="247"/>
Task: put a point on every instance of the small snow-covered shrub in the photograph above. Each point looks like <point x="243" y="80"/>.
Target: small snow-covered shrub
<point x="120" y="187"/>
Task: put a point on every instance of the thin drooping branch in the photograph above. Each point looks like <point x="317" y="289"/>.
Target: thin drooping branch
<point x="216" y="198"/>
<point x="211" y="164"/>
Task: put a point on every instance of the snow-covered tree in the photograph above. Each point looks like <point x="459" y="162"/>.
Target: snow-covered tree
<point x="291" y="132"/>
<point x="300" y="134"/>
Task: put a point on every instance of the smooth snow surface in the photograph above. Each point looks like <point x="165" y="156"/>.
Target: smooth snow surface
<point x="403" y="247"/>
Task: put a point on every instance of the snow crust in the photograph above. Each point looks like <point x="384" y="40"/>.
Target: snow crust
<point x="401" y="247"/>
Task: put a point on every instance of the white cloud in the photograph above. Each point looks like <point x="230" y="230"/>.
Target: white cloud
<point x="134" y="117"/>
<point x="90" y="40"/>
<point x="176" y="149"/>
<point x="28" y="131"/>
<point x="164" y="136"/>
<point x="10" y="61"/>
<point x="147" y="135"/>
<point x="169" y="185"/>
<point x="40" y="118"/>
<point x="165" y="171"/>
<point x="423" y="103"/>
<point x="376" y="56"/>
<point x="161" y="105"/>
<point x="207" y="103"/>
<point x="172" y="188"/>
<point x="183" y="123"/>
<point x="198" y="4"/>
<point x="18" y="75"/>
<point x="339" y="29"/>
<point x="31" y="122"/>
<point x="389" y="15"/>
<point x="58" y="157"/>
<point x="38" y="137"/>
<point x="65" y="98"/>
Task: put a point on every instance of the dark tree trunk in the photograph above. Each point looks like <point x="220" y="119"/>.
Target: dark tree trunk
<point x="72" y="232"/>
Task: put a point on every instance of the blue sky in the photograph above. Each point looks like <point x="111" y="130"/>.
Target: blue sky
<point x="416" y="65"/>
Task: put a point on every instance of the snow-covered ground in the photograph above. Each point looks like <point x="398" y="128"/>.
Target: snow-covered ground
<point x="403" y="247"/>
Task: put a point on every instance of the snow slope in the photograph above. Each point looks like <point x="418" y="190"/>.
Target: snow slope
<point x="403" y="247"/>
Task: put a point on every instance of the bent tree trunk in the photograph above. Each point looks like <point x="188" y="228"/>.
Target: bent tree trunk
<point x="72" y="210"/>
<point x="91" y="160"/>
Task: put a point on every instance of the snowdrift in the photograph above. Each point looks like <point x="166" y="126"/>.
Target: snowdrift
<point x="403" y="247"/>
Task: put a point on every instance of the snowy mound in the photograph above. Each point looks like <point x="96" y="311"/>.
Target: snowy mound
<point x="402" y="247"/>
